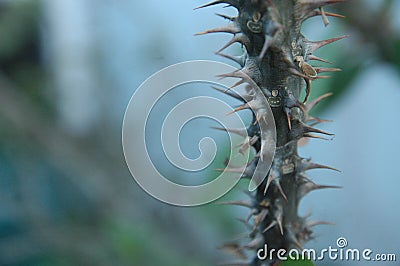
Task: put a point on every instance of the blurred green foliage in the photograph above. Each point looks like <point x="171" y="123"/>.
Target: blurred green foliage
<point x="80" y="224"/>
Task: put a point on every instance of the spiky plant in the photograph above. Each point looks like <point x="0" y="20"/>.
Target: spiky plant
<point x="276" y="58"/>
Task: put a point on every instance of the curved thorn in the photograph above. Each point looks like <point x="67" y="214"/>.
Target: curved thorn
<point x="270" y="226"/>
<point x="278" y="185"/>
<point x="313" y="57"/>
<point x="308" y="90"/>
<point x="227" y="29"/>
<point x="312" y="136"/>
<point x="226" y="17"/>
<point x="240" y="108"/>
<point x="238" y="59"/>
<point x="316" y="223"/>
<point x="239" y="132"/>
<point x="313" y="103"/>
<point x="266" y="45"/>
<point x="324" y="17"/>
<point x="233" y="3"/>
<point x="234" y="95"/>
<point x="327" y="69"/>
<point x="240" y="38"/>
<point x="270" y="178"/>
<point x="280" y="224"/>
<point x="328" y="14"/>
<point x="317" y="45"/>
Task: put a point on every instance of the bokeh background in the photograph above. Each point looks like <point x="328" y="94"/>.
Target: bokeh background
<point x="67" y="71"/>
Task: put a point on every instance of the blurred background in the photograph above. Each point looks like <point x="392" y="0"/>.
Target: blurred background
<point x="67" y="71"/>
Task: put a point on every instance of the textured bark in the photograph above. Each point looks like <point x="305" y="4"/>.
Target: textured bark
<point x="277" y="58"/>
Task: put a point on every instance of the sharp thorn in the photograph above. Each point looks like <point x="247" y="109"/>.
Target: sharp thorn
<point x="242" y="107"/>
<point x="278" y="185"/>
<point x="327" y="187"/>
<point x="316" y="223"/>
<point x="279" y="221"/>
<point x="240" y="38"/>
<point x="313" y="103"/>
<point x="270" y="178"/>
<point x="233" y="3"/>
<point x="327" y="69"/>
<point x="226" y="17"/>
<point x="240" y="82"/>
<point x="288" y="118"/>
<point x="239" y="132"/>
<point x="308" y="89"/>
<point x="270" y="226"/>
<point x="234" y="95"/>
<point x="320" y="166"/>
<point x="312" y="4"/>
<point x="315" y="130"/>
<point x="313" y="57"/>
<point x="323" y="77"/>
<point x="238" y="59"/>
<point x="266" y="45"/>
<point x="227" y="29"/>
<point x="314" y="136"/>
<point x="298" y="73"/>
<point x="316" y="45"/>
<point x="324" y="17"/>
<point x="259" y="218"/>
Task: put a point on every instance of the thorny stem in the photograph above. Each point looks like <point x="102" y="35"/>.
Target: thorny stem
<point x="277" y="58"/>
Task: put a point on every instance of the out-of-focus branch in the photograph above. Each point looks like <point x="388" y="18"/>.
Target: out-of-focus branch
<point x="101" y="175"/>
<point x="375" y="27"/>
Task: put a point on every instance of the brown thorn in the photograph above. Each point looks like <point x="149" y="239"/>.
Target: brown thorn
<point x="240" y="82"/>
<point x="270" y="178"/>
<point x="238" y="59"/>
<point x="312" y="136"/>
<point x="308" y="89"/>
<point x="313" y="57"/>
<point x="314" y="102"/>
<point x="324" y="17"/>
<point x="288" y="118"/>
<point x="234" y="95"/>
<point x="238" y="132"/>
<point x="226" y="17"/>
<point x="270" y="226"/>
<point x="279" y="220"/>
<point x="241" y="38"/>
<point x="309" y="129"/>
<point x="319" y="3"/>
<point x="327" y="14"/>
<point x="266" y="45"/>
<point x="323" y="77"/>
<point x="320" y="166"/>
<point x="278" y="185"/>
<point x="242" y="107"/>
<point x="316" y="45"/>
<point x="297" y="73"/>
<point x="227" y="29"/>
<point x="327" y="69"/>
<point x="315" y="223"/>
<point x="229" y="2"/>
